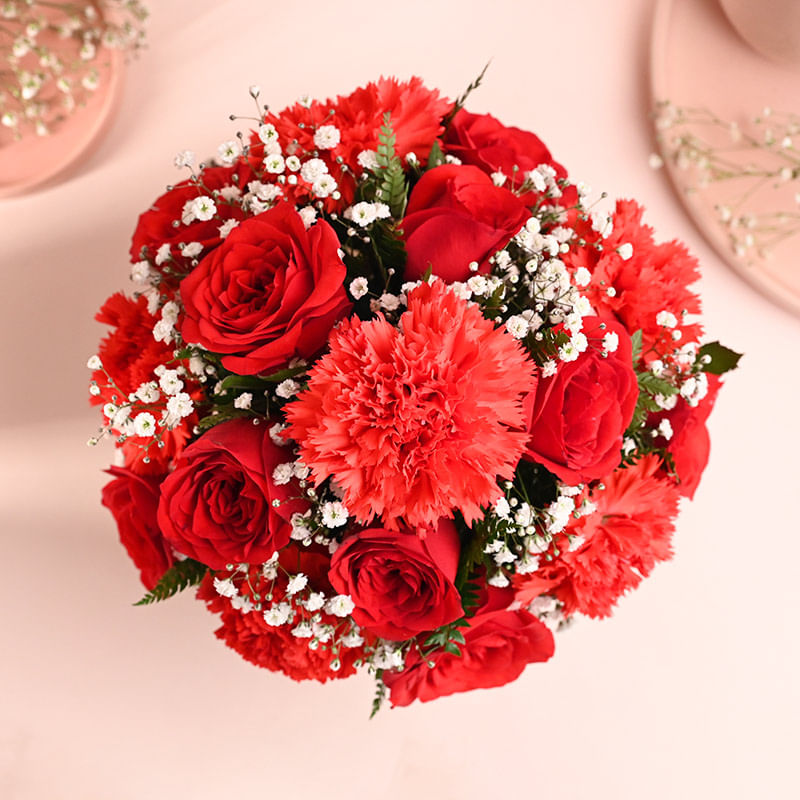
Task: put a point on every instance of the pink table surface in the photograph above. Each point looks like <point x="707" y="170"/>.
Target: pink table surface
<point x="690" y="691"/>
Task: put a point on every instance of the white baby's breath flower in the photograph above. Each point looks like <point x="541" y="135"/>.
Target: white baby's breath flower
<point x="140" y="273"/>
<point x="363" y="214"/>
<point x="287" y="389"/>
<point x="192" y="249"/>
<point x="368" y="159"/>
<point x="225" y="587"/>
<point x="148" y="392"/>
<point x="228" y="152"/>
<point x="340" y="606"/>
<point x="275" y="434"/>
<point x="666" y="319"/>
<point x="178" y="407"/>
<point x="334" y="514"/>
<point x="203" y="208"/>
<point x="625" y="251"/>
<point x="499" y="579"/>
<point x="517" y="326"/>
<point x="327" y="137"/>
<point x="170" y="382"/>
<point x="144" y="424"/>
<point x="302" y="630"/>
<point x="549" y="368"/>
<point x="278" y="614"/>
<point x="275" y="164"/>
<point x="163" y="254"/>
<point x="313" y="169"/>
<point x="315" y="601"/>
<point x="611" y="342"/>
<point x="227" y="227"/>
<point x="296" y="583"/>
<point x="267" y="133"/>
<point x="170" y="311"/>
<point x="282" y="474"/>
<point x="324" y="186"/>
<point x="308" y="214"/>
<point x="243" y="401"/>
<point x="163" y="331"/>
<point x="94" y="363"/>
<point x="359" y="287"/>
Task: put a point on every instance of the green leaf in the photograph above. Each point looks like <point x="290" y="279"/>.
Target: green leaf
<point x="178" y="577"/>
<point x="380" y="693"/>
<point x="636" y="342"/>
<point x="653" y="385"/>
<point x="436" y="158"/>
<point x="452" y="648"/>
<point x="459" y="104"/>
<point x="723" y="359"/>
<point x="393" y="178"/>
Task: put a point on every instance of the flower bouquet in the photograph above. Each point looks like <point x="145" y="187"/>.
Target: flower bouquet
<point x="392" y="395"/>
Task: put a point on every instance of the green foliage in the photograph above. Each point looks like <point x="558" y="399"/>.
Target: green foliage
<point x="459" y="104"/>
<point x="636" y="342"/>
<point x="436" y="157"/>
<point x="723" y="359"/>
<point x="222" y="414"/>
<point x="177" y="578"/>
<point x="393" y="180"/>
<point x="380" y="693"/>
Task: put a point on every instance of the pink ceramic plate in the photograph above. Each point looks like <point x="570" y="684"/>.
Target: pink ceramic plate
<point x="698" y="60"/>
<point x="34" y="161"/>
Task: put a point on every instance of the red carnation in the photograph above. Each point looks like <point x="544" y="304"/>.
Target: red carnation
<point x="415" y="112"/>
<point x="276" y="648"/>
<point x="455" y="216"/>
<point x="270" y="292"/>
<point x="415" y="421"/>
<point x="221" y="506"/>
<point x="133" y="501"/>
<point x="163" y="222"/>
<point x="655" y="278"/>
<point x="624" y="538"/>
<point x="579" y="415"/>
<point x="401" y="583"/>
<point x="129" y="355"/>
<point x="498" y="646"/>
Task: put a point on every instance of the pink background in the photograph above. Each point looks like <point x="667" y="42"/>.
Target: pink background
<point x="690" y="690"/>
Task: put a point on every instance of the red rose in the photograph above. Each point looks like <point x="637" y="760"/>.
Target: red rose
<point x="271" y="291"/>
<point x="578" y="416"/>
<point x="484" y="141"/>
<point x="217" y="506"/>
<point x="133" y="502"/>
<point x="498" y="645"/>
<point x="456" y="215"/>
<point x="690" y="443"/>
<point x="157" y="225"/>
<point x="400" y="583"/>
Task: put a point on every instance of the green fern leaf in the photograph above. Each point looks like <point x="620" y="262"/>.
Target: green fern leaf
<point x="177" y="578"/>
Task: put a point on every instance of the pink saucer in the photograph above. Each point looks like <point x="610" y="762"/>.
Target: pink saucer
<point x="699" y="61"/>
<point x="34" y="161"/>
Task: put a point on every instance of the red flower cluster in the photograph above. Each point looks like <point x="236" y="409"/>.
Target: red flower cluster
<point x="393" y="396"/>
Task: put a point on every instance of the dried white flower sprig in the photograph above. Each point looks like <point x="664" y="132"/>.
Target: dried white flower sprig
<point x="50" y="56"/>
<point x="758" y="160"/>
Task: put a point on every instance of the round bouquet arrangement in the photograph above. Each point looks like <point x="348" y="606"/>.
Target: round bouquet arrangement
<point x="392" y="395"/>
